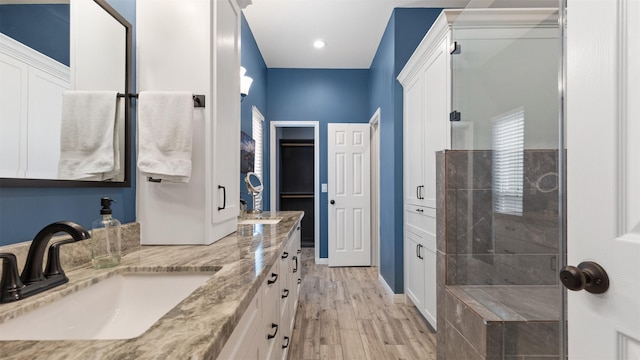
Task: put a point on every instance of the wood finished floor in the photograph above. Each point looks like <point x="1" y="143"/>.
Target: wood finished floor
<point x="344" y="313"/>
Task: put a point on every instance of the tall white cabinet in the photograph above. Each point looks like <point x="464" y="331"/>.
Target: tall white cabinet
<point x="426" y="80"/>
<point x="193" y="45"/>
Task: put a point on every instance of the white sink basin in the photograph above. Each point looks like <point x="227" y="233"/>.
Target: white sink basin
<point x="270" y="221"/>
<point x="120" y="307"/>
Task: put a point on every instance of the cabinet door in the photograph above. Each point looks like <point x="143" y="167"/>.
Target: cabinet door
<point x="14" y="93"/>
<point x="428" y="308"/>
<point x="225" y="165"/>
<point x="45" y="121"/>
<point x="414" y="269"/>
<point x="413" y="141"/>
<point x="437" y="105"/>
<point x="296" y="274"/>
<point x="286" y="335"/>
<point x="296" y="270"/>
<point x="286" y="289"/>
<point x="270" y="329"/>
<point x="241" y="343"/>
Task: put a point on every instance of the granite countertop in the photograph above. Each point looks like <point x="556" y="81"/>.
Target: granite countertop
<point x="199" y="326"/>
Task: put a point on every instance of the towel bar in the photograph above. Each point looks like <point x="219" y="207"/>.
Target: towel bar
<point x="198" y="100"/>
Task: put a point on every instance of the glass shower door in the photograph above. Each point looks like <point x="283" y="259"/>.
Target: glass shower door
<point x="504" y="232"/>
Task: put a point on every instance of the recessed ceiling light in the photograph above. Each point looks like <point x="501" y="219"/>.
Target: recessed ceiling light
<point x="319" y="44"/>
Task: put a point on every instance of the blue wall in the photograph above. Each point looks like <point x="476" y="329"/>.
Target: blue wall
<point x="42" y="27"/>
<point x="24" y="211"/>
<point x="252" y="60"/>
<point x="344" y="95"/>
<point x="323" y="95"/>
<point x="405" y="30"/>
<point x="382" y="96"/>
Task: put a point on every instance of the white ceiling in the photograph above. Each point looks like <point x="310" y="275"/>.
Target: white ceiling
<point x="286" y="29"/>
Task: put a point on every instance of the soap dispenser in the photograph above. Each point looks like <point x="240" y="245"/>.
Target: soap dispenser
<point x="105" y="238"/>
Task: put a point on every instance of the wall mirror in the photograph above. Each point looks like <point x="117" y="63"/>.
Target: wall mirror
<point x="46" y="48"/>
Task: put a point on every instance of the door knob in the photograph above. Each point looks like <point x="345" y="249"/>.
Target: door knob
<point x="332" y="202"/>
<point x="588" y="276"/>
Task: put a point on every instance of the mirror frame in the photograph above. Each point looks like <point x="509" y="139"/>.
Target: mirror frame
<point x="51" y="183"/>
<point x="252" y="189"/>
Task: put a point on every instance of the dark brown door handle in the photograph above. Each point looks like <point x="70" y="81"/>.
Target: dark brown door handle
<point x="588" y="276"/>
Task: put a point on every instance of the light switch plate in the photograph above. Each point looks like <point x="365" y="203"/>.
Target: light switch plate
<point x="324" y="188"/>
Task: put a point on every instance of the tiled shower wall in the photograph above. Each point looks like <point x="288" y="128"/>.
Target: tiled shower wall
<point x="479" y="247"/>
<point x="485" y="247"/>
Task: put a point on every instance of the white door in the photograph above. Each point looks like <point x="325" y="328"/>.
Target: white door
<point x="603" y="174"/>
<point x="349" y="202"/>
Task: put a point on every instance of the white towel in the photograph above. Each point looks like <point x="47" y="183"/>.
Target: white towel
<point x="165" y="132"/>
<point x="87" y="137"/>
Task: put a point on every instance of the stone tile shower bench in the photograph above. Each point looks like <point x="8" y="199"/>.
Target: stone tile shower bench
<point x="510" y="322"/>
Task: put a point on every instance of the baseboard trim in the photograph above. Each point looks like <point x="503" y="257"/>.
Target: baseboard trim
<point x="322" y="261"/>
<point x="395" y="298"/>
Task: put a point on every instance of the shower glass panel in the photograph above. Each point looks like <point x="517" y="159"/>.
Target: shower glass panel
<point x="504" y="221"/>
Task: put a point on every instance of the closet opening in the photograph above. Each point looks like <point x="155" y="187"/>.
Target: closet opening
<point x="295" y="175"/>
<point x="296" y="178"/>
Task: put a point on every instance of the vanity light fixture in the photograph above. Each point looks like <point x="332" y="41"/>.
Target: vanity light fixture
<point x="245" y="83"/>
<point x="319" y="44"/>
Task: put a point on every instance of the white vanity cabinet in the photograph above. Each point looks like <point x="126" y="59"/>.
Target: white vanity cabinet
<point x="194" y="46"/>
<point x="426" y="81"/>
<point x="265" y="330"/>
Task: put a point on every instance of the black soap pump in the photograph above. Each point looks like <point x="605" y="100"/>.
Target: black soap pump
<point x="105" y="238"/>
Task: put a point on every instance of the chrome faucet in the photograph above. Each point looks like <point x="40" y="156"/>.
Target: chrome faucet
<point x="33" y="280"/>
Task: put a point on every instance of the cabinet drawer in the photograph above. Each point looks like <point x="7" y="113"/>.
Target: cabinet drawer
<point x="420" y="220"/>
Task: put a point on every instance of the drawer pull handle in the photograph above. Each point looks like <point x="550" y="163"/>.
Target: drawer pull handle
<point x="299" y="281"/>
<point x="285" y="293"/>
<point x="274" y="278"/>
<point x="270" y="336"/>
<point x="224" y="197"/>
<point x="286" y="338"/>
<point x="295" y="269"/>
<point x="285" y="255"/>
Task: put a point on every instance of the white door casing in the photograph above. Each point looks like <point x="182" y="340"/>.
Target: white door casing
<point x="374" y="122"/>
<point x="349" y="190"/>
<point x="603" y="174"/>
<point x="273" y="174"/>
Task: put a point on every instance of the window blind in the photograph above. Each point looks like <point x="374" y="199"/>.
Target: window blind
<point x="508" y="162"/>
<point x="257" y="134"/>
